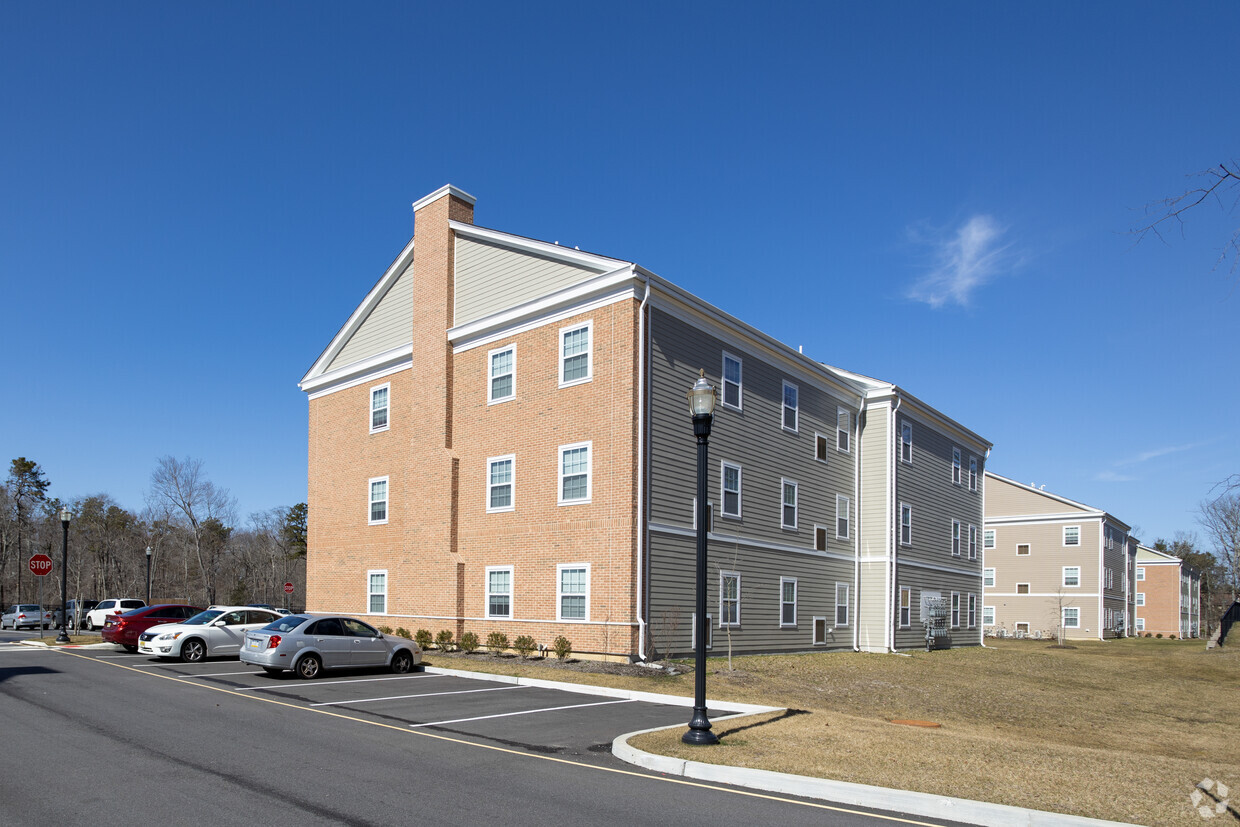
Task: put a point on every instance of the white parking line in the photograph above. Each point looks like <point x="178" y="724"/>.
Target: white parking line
<point x="219" y="674"/>
<point x="419" y="695"/>
<point x="523" y="712"/>
<point x="329" y="683"/>
<point x="120" y="657"/>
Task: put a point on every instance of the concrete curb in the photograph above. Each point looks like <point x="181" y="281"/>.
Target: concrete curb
<point x="38" y="644"/>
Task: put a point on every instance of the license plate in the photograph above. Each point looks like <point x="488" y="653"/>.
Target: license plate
<point x="253" y="644"/>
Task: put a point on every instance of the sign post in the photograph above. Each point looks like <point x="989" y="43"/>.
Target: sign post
<point x="40" y="567"/>
<point x="288" y="591"/>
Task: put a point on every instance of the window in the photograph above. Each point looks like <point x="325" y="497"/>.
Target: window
<point x="1140" y="598"/>
<point x="710" y="515"/>
<point x="820" y="538"/>
<point x="503" y="366"/>
<point x="575" y="473"/>
<point x="843" y="428"/>
<point x="575" y="362"/>
<point x="710" y="631"/>
<point x="573" y="584"/>
<point x="988" y="615"/>
<point x="378" y="501"/>
<point x="1140" y="573"/>
<point x="731" y="381"/>
<point x="790" y="407"/>
<point x="988" y="538"/>
<point x="1110" y="578"/>
<point x="842" y="515"/>
<point x="956" y="466"/>
<point x="1022" y="550"/>
<point x="988" y="578"/>
<point x="788" y="512"/>
<point x="730" y="485"/>
<point x="1140" y="624"/>
<point x="499" y="483"/>
<point x="841" y="604"/>
<point x="955" y="538"/>
<point x="906" y="525"/>
<point x="1072" y="535"/>
<point x="729" y="599"/>
<point x="955" y="610"/>
<point x="787" y="601"/>
<point x="906" y="608"/>
<point x="820" y="447"/>
<point x="972" y="611"/>
<point x="972" y="542"/>
<point x="379" y="407"/>
<point x="972" y="473"/>
<point x="820" y="631"/>
<point x="499" y="591"/>
<point x="376" y="585"/>
<point x="906" y="443"/>
<point x="1022" y="588"/>
<point x="1071" y="618"/>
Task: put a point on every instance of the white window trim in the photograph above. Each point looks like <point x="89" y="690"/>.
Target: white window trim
<point x="783" y="407"/>
<point x="905" y="607"/>
<point x="1027" y="546"/>
<point x="826" y="536"/>
<point x="512" y="484"/>
<point x="900" y="525"/>
<point x="740" y="386"/>
<point x="957" y="538"/>
<point x="370" y="414"/>
<point x="796" y="506"/>
<point x="956" y="470"/>
<point x="722" y="613"/>
<point x="740" y="488"/>
<point x="1140" y="624"/>
<point x="1028" y="590"/>
<point x="1064" y="617"/>
<point x="559" y="595"/>
<point x="988" y="574"/>
<point x="840" y="498"/>
<point x="795" y="597"/>
<point x="559" y="467"/>
<point x="972" y="541"/>
<point x="906" y="429"/>
<point x="589" y="326"/>
<point x="826" y="446"/>
<point x="972" y="611"/>
<point x="847" y="604"/>
<point x="973" y="475"/>
<point x="493" y="400"/>
<point x="985" y="611"/>
<point x="988" y="538"/>
<point x="1140" y="573"/>
<point x="1140" y="598"/>
<point x="486" y="593"/>
<point x="710" y="515"/>
<point x="954" y="610"/>
<point x="387" y="500"/>
<point x="710" y="631"/>
<point x="370" y="594"/>
<point x="847" y="432"/>
<point x="1066" y="544"/>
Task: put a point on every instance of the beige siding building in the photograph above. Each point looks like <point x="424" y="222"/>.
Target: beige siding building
<point x="1168" y="595"/>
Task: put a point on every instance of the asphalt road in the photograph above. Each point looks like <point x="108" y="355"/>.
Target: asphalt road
<point x="100" y="736"/>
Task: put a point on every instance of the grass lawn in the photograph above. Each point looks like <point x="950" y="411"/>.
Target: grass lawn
<point x="1121" y="730"/>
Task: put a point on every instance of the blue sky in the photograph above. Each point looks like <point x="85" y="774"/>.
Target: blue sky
<point x="194" y="197"/>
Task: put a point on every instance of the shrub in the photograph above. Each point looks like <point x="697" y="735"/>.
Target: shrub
<point x="1172" y="637"/>
<point x="1159" y="635"/>
<point x="1147" y="634"/>
<point x="497" y="642"/>
<point x="469" y="643"/>
<point x="424" y="639"/>
<point x="444" y="640"/>
<point x="524" y="645"/>
<point x="402" y="632"/>
<point x="387" y="630"/>
<point x="563" y="648"/>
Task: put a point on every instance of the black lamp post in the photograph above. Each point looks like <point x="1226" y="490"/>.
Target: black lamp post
<point x="65" y="516"/>
<point x="148" y="575"/>
<point x="702" y="406"/>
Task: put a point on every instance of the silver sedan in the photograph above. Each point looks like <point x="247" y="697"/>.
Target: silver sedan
<point x="308" y="644"/>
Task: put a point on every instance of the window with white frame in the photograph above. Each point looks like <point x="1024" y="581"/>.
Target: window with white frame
<point x="820" y="448"/>
<point x="820" y="538"/>
<point x="906" y="525"/>
<point x="988" y="578"/>
<point x="791" y="407"/>
<point x="955" y="610"/>
<point x="1110" y="577"/>
<point x="787" y="601"/>
<point x="378" y="500"/>
<point x="575" y="473"/>
<point x="843" y="430"/>
<point x="988" y="615"/>
<point x="972" y="473"/>
<point x="1022" y="549"/>
<point x="710" y="515"/>
<point x="500" y="483"/>
<point x="1072" y="535"/>
<point x="906" y="608"/>
<point x="1022" y="588"/>
<point x="730" y="489"/>
<point x="1140" y="624"/>
<point x="710" y="631"/>
<point x="820" y="631"/>
<point x="503" y="368"/>
<point x="906" y="443"/>
<point x="380" y="406"/>
<point x="1140" y="598"/>
<point x="1072" y="576"/>
<point x="499" y="591"/>
<point x="576" y="364"/>
<point x="376" y="592"/>
<point x="573" y="591"/>
<point x="731" y="381"/>
<point x="1140" y="573"/>
<point x="842" y="516"/>
<point x="956" y="466"/>
<point x="955" y="538"/>
<point x="841" y="604"/>
<point x="729" y="599"/>
<point x="788" y="510"/>
<point x="972" y="542"/>
<point x="1071" y="617"/>
<point x="972" y="611"/>
<point x="988" y="538"/>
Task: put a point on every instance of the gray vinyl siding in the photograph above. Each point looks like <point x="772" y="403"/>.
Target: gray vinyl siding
<point x="491" y="278"/>
<point x="389" y="325"/>
<point x="921" y="580"/>
<point x="876" y="526"/>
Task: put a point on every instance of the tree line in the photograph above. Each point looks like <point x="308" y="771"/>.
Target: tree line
<point x="200" y="552"/>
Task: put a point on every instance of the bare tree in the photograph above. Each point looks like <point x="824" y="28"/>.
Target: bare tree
<point x="180" y="487"/>
<point x="1220" y="184"/>
<point x="1220" y="518"/>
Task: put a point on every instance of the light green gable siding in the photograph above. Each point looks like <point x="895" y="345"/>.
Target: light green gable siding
<point x="389" y="325"/>
<point x="876" y="527"/>
<point x="490" y="278"/>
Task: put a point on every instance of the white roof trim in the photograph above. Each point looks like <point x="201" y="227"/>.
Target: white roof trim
<point x="446" y="189"/>
<point x="1030" y="519"/>
<point x="591" y="261"/>
<point x="395" y="358"/>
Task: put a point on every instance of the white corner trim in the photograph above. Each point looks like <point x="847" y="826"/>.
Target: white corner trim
<point x="446" y="189"/>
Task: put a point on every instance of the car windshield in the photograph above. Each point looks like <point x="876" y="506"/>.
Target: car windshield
<point x="28" y="607"/>
<point x="134" y="612"/>
<point x="203" y="618"/>
<point x="285" y="624"/>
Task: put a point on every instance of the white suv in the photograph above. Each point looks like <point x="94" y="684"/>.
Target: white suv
<point x="95" y="617"/>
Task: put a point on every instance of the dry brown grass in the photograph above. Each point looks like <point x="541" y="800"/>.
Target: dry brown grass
<point x="1119" y="730"/>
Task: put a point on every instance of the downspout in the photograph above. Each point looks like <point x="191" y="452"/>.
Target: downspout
<point x="1102" y="591"/>
<point x="981" y="627"/>
<point x="892" y="512"/>
<point x="857" y="542"/>
<point x="642" y="534"/>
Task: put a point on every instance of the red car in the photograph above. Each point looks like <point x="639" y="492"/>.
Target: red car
<point x="125" y="628"/>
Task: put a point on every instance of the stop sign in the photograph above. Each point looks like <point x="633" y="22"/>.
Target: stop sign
<point x="288" y="587"/>
<point x="40" y="565"/>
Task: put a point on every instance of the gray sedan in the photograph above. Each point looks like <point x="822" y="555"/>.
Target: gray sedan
<point x="309" y="644"/>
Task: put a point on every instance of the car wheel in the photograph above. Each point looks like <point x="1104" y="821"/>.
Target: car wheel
<point x="131" y="648"/>
<point x="271" y="670"/>
<point x="402" y="662"/>
<point x="88" y="626"/>
<point x="308" y="667"/>
<point x="193" y="650"/>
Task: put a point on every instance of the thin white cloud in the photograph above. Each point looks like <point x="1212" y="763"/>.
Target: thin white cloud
<point x="1146" y="456"/>
<point x="1112" y="476"/>
<point x="963" y="262"/>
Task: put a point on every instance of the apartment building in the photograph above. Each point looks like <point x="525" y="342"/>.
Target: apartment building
<point x="1050" y="560"/>
<point x="500" y="441"/>
<point x="1168" y="595"/>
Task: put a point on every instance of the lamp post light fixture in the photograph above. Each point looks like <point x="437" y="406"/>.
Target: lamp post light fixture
<point x="702" y="406"/>
<point x="148" y="575"/>
<point x="65" y="517"/>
